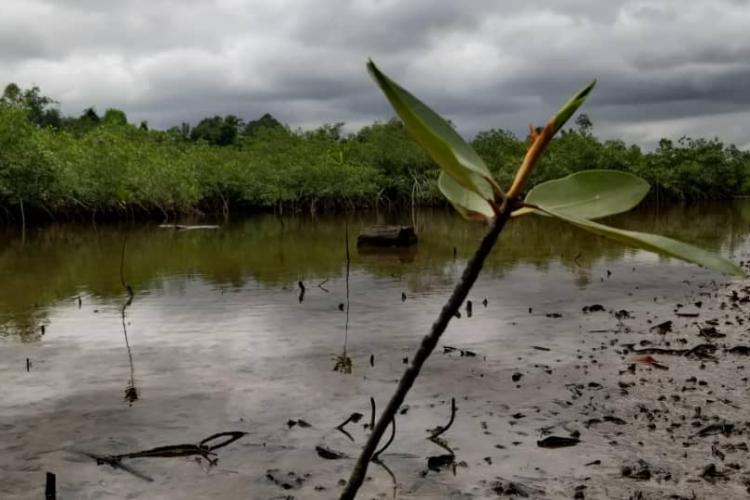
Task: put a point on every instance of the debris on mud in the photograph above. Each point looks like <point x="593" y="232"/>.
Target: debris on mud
<point x="593" y="308"/>
<point x="329" y="454"/>
<point x="557" y="442"/>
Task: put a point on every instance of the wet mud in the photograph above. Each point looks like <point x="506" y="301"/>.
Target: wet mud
<point x="633" y="385"/>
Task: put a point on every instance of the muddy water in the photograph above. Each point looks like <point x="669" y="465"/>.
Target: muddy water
<point x="220" y="341"/>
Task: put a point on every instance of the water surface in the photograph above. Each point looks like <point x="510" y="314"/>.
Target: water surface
<point x="218" y="339"/>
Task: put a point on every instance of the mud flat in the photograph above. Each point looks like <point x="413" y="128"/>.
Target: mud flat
<point x="583" y="375"/>
<point x="618" y="404"/>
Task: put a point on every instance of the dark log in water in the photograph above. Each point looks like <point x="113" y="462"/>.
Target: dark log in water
<point x="387" y="236"/>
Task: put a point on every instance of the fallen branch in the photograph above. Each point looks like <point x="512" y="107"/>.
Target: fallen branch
<point x="204" y="449"/>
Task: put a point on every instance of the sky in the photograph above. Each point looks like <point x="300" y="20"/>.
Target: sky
<point x="664" y="68"/>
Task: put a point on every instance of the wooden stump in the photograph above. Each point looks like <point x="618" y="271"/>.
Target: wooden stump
<point x="387" y="236"/>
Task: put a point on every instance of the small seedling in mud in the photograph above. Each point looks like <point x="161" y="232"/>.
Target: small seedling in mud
<point x="467" y="183"/>
<point x="131" y="391"/>
<point x="343" y="361"/>
<point x="131" y="394"/>
<point x="343" y="364"/>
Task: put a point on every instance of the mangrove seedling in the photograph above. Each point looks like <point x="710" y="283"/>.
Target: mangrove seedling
<point x="467" y="183"/>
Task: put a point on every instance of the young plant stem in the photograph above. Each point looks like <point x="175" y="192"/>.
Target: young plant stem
<point x="348" y="267"/>
<point x="459" y="294"/>
<point x="131" y="393"/>
<point x="536" y="149"/>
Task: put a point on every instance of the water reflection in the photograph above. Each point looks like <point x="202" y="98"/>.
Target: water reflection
<point x="65" y="262"/>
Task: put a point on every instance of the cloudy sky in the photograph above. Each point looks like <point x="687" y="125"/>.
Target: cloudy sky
<point x="665" y="68"/>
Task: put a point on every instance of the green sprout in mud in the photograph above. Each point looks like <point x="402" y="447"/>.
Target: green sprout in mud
<point x="468" y="184"/>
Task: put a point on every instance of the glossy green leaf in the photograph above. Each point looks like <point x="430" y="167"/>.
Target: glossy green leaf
<point x="571" y="106"/>
<point x="437" y="137"/>
<point x="655" y="243"/>
<point x="590" y="194"/>
<point x="469" y="204"/>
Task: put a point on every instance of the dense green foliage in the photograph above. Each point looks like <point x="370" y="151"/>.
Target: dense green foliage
<point x="104" y="165"/>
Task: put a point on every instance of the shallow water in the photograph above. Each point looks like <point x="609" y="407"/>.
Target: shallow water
<point x="220" y="341"/>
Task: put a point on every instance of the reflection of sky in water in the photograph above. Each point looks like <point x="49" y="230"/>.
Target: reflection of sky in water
<point x="186" y="326"/>
<point x="179" y="274"/>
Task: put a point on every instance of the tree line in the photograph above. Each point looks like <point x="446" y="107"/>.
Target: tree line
<point x="54" y="166"/>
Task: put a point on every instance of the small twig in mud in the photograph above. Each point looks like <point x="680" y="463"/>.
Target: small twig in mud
<point x="372" y="413"/>
<point x="345" y="433"/>
<point x="354" y="417"/>
<point x="440" y="430"/>
<point x="116" y="464"/>
<point x="376" y="455"/>
<point x="204" y="449"/>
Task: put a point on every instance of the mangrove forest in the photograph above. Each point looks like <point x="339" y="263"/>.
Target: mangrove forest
<point x="55" y="167"/>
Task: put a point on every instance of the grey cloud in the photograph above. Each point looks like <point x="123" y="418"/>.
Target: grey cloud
<point x="662" y="65"/>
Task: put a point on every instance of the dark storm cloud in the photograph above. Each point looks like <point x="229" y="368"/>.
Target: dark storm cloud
<point x="665" y="68"/>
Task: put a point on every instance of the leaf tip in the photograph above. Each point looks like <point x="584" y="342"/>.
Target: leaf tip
<point x="584" y="93"/>
<point x="571" y="106"/>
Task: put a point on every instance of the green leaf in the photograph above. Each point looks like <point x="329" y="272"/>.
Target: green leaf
<point x="590" y="194"/>
<point x="437" y="137"/>
<point x="469" y="204"/>
<point x="571" y="106"/>
<point x="655" y="243"/>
